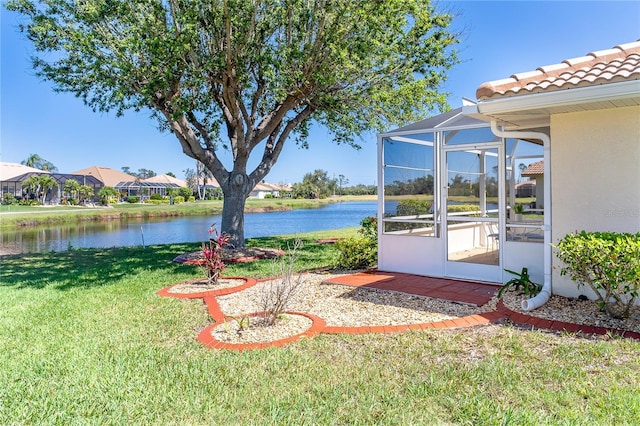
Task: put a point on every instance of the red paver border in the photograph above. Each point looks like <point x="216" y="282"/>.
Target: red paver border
<point x="249" y="282"/>
<point x="206" y="337"/>
<point x="319" y="325"/>
<point x="546" y="324"/>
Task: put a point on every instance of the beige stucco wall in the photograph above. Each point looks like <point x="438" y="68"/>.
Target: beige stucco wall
<point x="595" y="177"/>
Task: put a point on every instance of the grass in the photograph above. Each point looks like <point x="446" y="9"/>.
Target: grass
<point x="84" y="339"/>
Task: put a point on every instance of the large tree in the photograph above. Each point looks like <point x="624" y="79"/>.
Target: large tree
<point x="245" y="75"/>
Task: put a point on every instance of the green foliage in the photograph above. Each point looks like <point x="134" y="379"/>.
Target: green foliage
<point x="356" y="253"/>
<point x="85" y="192"/>
<point x="178" y="199"/>
<point x="37" y="162"/>
<point x="419" y="186"/>
<point x="28" y="202"/>
<point x="210" y="70"/>
<point x="359" y="252"/>
<point x="156" y="196"/>
<point x="413" y="207"/>
<point x="455" y="208"/>
<point x="360" y="189"/>
<point x="39" y="186"/>
<point x="132" y="199"/>
<point x="157" y="202"/>
<point x="9" y="199"/>
<point x="71" y="188"/>
<point x="108" y="195"/>
<point x="315" y="185"/>
<point x="191" y="199"/>
<point x="369" y="228"/>
<point x="185" y="193"/>
<point x="523" y="281"/>
<point x="608" y="262"/>
<point x="518" y="208"/>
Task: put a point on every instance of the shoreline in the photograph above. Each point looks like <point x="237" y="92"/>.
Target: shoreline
<point x="46" y="216"/>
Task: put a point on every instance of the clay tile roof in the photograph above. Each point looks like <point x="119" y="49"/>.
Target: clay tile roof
<point x="107" y="176"/>
<point x="536" y="168"/>
<point x="621" y="63"/>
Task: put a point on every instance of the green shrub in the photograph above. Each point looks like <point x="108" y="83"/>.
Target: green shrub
<point x="356" y="253"/>
<point x="455" y="208"/>
<point x="191" y="199"/>
<point x="360" y="252"/>
<point x="156" y="197"/>
<point x="413" y="207"/>
<point x="178" y="199"/>
<point x="185" y="193"/>
<point x="161" y="201"/>
<point x="8" y="199"/>
<point x="28" y="202"/>
<point x="369" y="228"/>
<point x="608" y="262"/>
<point x="132" y="199"/>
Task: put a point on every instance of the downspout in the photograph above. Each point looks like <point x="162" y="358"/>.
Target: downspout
<point x="545" y="293"/>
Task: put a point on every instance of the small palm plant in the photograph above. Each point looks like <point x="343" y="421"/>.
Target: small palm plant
<point x="523" y="281"/>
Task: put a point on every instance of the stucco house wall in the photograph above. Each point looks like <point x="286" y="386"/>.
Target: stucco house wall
<point x="595" y="177"/>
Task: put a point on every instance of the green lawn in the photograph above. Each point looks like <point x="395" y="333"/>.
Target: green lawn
<point x="84" y="339"/>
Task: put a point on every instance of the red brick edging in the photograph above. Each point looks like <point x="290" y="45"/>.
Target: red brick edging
<point x="206" y="335"/>
<point x="542" y="323"/>
<point x="249" y="282"/>
<point x="319" y="325"/>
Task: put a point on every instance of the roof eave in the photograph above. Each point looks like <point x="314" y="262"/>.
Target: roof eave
<point x="545" y="103"/>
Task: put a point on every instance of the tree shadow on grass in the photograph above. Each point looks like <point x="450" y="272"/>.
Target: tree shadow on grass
<point x="88" y="267"/>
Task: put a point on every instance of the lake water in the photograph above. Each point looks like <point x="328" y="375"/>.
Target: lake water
<point x="180" y="230"/>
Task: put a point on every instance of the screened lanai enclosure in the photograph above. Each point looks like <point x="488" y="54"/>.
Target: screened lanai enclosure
<point x="448" y="203"/>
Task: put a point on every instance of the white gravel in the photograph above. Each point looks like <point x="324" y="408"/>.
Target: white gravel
<point x="576" y="311"/>
<point x="356" y="306"/>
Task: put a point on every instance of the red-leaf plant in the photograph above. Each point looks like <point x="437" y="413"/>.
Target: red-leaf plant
<point x="212" y="252"/>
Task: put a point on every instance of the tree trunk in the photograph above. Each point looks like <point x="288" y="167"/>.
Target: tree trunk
<point x="235" y="197"/>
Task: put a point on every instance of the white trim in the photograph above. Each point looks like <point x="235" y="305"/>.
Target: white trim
<point x="544" y="295"/>
<point x="559" y="98"/>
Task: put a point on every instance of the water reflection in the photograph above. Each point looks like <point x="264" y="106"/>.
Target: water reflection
<point x="135" y="232"/>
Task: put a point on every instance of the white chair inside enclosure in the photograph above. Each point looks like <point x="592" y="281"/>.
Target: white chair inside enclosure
<point x="491" y="232"/>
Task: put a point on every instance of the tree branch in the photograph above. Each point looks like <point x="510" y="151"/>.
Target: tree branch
<point x="275" y="143"/>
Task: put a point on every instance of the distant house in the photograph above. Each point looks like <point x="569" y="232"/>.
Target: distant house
<point x="128" y="185"/>
<point x="167" y="180"/>
<point x="12" y="176"/>
<point x="535" y="172"/>
<point x="264" y="189"/>
<point x="526" y="188"/>
<point x="581" y="116"/>
<point x="153" y="185"/>
<point x="108" y="177"/>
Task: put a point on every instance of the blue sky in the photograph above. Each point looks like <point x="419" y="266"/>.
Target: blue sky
<point x="499" y="39"/>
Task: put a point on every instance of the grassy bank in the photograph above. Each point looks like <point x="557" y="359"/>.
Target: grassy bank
<point x="17" y="216"/>
<point x="85" y="339"/>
